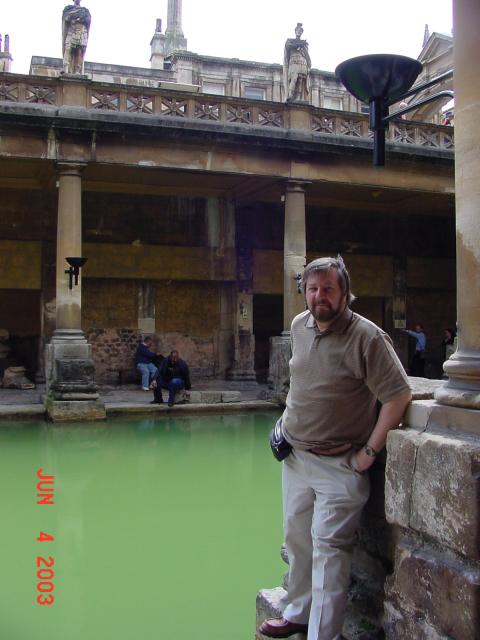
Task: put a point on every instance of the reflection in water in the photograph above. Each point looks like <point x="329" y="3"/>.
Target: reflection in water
<point x="164" y="527"/>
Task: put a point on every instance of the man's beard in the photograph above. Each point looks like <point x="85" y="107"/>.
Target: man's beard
<point x="326" y="312"/>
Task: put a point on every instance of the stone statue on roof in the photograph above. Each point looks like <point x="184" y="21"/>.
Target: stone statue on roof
<point x="75" y="27"/>
<point x="296" y="67"/>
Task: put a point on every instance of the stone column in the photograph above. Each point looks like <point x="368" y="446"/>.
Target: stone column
<point x="463" y="369"/>
<point x="71" y="391"/>
<point x="69" y="243"/>
<point x="243" y="361"/>
<point x="294" y="251"/>
<point x="294" y="259"/>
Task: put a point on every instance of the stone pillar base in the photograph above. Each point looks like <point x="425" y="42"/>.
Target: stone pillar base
<point x="278" y="370"/>
<point x="75" y="410"/>
<point x="72" y="394"/>
<point x="462" y="389"/>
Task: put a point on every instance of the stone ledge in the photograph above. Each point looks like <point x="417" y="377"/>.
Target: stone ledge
<point x="37" y="411"/>
<point x="75" y="410"/>
<point x="119" y="408"/>
<point x="427" y="415"/>
<point x="270" y="605"/>
<point x="14" y="411"/>
<point x="432" y="483"/>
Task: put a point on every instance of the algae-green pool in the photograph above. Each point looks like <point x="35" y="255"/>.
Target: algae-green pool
<point x="164" y="528"/>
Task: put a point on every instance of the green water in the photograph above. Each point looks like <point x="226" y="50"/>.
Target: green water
<point x="164" y="529"/>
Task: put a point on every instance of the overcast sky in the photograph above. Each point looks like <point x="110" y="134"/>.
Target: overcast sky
<point x="249" y="29"/>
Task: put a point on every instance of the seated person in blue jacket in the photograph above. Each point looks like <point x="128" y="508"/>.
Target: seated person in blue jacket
<point x="173" y="375"/>
<point x="144" y="358"/>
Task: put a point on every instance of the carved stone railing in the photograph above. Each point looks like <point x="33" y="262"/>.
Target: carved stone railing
<point x="221" y="109"/>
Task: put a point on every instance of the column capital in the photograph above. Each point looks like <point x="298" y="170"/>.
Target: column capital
<point x="296" y="186"/>
<point x="70" y="168"/>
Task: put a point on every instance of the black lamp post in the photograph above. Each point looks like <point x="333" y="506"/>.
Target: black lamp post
<point x="381" y="80"/>
<point x="73" y="272"/>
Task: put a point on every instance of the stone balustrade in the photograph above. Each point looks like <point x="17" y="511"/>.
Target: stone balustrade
<point x="226" y="110"/>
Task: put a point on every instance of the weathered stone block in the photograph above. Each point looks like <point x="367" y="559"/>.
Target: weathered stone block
<point x="195" y="397"/>
<point x="271" y="605"/>
<point x="75" y="410"/>
<point x="432" y="594"/>
<point x="211" y="397"/>
<point x="14" y="378"/>
<point x="278" y="371"/>
<point x="231" y="396"/>
<point x="76" y="370"/>
<point x="402" y="450"/>
<point x="432" y="486"/>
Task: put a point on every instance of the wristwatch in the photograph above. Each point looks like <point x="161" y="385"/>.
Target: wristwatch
<point x="370" y="451"/>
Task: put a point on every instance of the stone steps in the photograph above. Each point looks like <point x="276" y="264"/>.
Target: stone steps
<point x="357" y="626"/>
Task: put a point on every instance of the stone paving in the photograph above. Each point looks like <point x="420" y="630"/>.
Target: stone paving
<point x="132" y="393"/>
<point x="211" y="394"/>
<point x="16" y="403"/>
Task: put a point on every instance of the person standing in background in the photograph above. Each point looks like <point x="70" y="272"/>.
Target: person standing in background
<point x="417" y="364"/>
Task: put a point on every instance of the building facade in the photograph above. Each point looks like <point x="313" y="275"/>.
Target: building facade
<point x="202" y="193"/>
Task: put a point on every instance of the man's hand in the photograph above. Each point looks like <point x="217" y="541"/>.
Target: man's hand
<point x="389" y="417"/>
<point x="153" y="384"/>
<point x="361" y="461"/>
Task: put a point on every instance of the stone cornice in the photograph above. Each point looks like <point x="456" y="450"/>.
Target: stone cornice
<point x="83" y="121"/>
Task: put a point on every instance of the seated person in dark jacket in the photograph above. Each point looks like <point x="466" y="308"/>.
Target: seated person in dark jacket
<point x="144" y="358"/>
<point x="173" y="375"/>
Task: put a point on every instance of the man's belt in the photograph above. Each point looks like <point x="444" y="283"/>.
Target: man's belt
<point x="331" y="451"/>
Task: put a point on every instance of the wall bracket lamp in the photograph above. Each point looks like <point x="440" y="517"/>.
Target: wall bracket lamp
<point x="381" y="80"/>
<point x="74" y="270"/>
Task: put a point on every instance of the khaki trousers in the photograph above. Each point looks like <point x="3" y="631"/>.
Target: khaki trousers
<point x="322" y="501"/>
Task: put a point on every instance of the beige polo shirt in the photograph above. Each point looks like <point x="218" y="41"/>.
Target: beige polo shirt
<point x="336" y="378"/>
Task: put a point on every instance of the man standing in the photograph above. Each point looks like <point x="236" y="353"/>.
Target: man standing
<point x="417" y="365"/>
<point x="342" y="365"/>
<point x="144" y="358"/>
<point x="173" y="375"/>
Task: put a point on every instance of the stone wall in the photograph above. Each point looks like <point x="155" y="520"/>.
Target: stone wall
<point x="432" y="497"/>
<point x="114" y="353"/>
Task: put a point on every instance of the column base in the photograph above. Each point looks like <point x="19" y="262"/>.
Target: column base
<point x="68" y="335"/>
<point x="72" y="395"/>
<point x="278" y="369"/>
<point x="75" y="410"/>
<point x="462" y="389"/>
